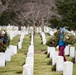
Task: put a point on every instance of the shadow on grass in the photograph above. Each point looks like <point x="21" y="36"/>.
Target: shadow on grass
<point x="19" y="72"/>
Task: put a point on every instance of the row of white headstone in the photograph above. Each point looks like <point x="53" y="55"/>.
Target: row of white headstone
<point x="28" y="67"/>
<point x="10" y="51"/>
<point x="66" y="67"/>
<point x="30" y="28"/>
<point x="69" y="50"/>
<point x="4" y="57"/>
<point x="21" y="40"/>
<point x="51" y="32"/>
<point x="12" y="27"/>
<point x="43" y="37"/>
<point x="13" y="33"/>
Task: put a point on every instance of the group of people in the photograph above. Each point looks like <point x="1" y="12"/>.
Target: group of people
<point x="3" y="37"/>
<point x="61" y="43"/>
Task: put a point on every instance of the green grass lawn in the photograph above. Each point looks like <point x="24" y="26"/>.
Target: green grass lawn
<point x="15" y="66"/>
<point x="41" y="60"/>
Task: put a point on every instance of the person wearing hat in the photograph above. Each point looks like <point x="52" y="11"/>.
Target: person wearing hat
<point x="3" y="37"/>
<point x="61" y="43"/>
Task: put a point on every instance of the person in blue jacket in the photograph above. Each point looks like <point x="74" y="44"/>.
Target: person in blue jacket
<point x="61" y="44"/>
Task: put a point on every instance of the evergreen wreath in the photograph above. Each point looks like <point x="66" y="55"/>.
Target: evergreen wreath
<point x="2" y="45"/>
<point x="52" y="41"/>
<point x="69" y="38"/>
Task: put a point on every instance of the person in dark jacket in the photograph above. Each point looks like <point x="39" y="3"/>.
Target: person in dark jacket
<point x="61" y="43"/>
<point x="3" y="37"/>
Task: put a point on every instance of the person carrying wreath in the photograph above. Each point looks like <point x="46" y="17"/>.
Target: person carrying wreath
<point x="61" y="43"/>
<point x="3" y="37"/>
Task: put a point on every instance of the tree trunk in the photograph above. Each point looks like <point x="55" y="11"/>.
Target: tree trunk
<point x="34" y="31"/>
<point x="19" y="27"/>
<point x="42" y="25"/>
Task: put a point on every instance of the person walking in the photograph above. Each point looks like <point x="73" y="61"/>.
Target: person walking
<point x="62" y="44"/>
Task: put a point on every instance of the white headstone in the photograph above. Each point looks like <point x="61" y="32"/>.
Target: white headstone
<point x="27" y="70"/>
<point x="66" y="50"/>
<point x="2" y="59"/>
<point x="8" y="54"/>
<point x="31" y="48"/>
<point x="32" y="42"/>
<point x="68" y="68"/>
<point x="30" y="60"/>
<point x="49" y="49"/>
<point x="11" y="37"/>
<point x="44" y="41"/>
<point x="54" y="57"/>
<point x="19" y="45"/>
<point x="37" y="30"/>
<point x="72" y="51"/>
<point x="59" y="63"/>
<point x="52" y="49"/>
<point x="13" y="49"/>
<point x="43" y="38"/>
<point x="30" y="54"/>
<point x="51" y="32"/>
<point x="22" y="37"/>
<point x="21" y="40"/>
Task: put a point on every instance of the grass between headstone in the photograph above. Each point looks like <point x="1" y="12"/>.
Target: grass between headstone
<point x="15" y="66"/>
<point x="40" y="63"/>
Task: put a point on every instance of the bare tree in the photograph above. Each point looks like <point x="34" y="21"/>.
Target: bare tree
<point x="4" y="5"/>
<point x="32" y="12"/>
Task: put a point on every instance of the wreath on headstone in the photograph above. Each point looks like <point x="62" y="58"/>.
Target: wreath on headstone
<point x="4" y="41"/>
